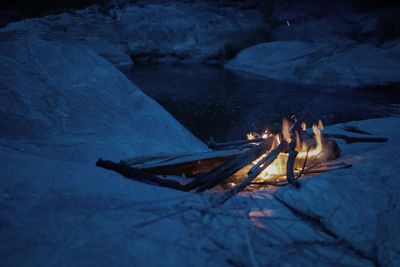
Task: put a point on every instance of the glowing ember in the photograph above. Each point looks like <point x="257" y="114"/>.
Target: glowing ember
<point x="309" y="147"/>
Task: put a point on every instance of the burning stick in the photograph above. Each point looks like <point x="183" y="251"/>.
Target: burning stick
<point x="214" y="145"/>
<point x="290" y="165"/>
<point x="252" y="174"/>
<point x="348" y="139"/>
<point x="213" y="168"/>
<point x="292" y="157"/>
<point x="301" y="173"/>
<point x="313" y="170"/>
<point x="224" y="171"/>
<point x="203" y="181"/>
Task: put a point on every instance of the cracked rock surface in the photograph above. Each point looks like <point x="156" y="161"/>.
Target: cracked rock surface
<point x="361" y="204"/>
<point x="59" y="113"/>
<point x="63" y="101"/>
<point x="65" y="213"/>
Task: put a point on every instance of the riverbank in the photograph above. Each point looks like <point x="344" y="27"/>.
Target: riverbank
<point x="155" y="32"/>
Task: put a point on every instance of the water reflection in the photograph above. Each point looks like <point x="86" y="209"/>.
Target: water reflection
<point x="212" y="101"/>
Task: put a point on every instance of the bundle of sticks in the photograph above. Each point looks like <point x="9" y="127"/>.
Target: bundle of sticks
<point x="210" y="169"/>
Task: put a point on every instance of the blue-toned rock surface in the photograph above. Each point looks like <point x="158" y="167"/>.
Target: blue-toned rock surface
<point x="361" y="204"/>
<point x="172" y="31"/>
<point x="62" y="107"/>
<point x="64" y="101"/>
<point x="342" y="62"/>
<point x="341" y="45"/>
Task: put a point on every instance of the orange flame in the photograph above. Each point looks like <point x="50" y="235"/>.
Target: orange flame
<point x="308" y="146"/>
<point x="250" y="136"/>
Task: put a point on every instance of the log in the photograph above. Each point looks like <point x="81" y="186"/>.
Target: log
<point x="252" y="174"/>
<point x="331" y="151"/>
<point x="203" y="181"/>
<point x="185" y="164"/>
<point x="226" y="170"/>
<point x="139" y="175"/>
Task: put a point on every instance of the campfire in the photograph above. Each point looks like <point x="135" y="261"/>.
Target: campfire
<point x="309" y="149"/>
<point x="269" y="158"/>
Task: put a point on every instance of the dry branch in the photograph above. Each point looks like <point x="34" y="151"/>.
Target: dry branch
<point x="252" y="174"/>
<point x="138" y="175"/>
<point x="189" y="164"/>
<point x="292" y="155"/>
<point x="301" y="173"/>
<point x="290" y="163"/>
<point x="204" y="181"/>
<point x="355" y="139"/>
<point x="317" y="168"/>
<point x="229" y="168"/>
<point x="215" y="145"/>
<point x="325" y="167"/>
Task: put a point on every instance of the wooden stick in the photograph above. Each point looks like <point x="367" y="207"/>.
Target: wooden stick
<point x="189" y="164"/>
<point x="229" y="168"/>
<point x="203" y="181"/>
<point x="290" y="163"/>
<point x="141" y="176"/>
<point x="304" y="165"/>
<point x="312" y="170"/>
<point x="355" y="139"/>
<point x="214" y="145"/>
<point x="292" y="155"/>
<point x="323" y="167"/>
<point x="252" y="174"/>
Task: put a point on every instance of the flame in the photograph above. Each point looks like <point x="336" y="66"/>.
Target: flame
<point x="286" y="131"/>
<point x="320" y="125"/>
<point x="266" y="134"/>
<point x="250" y="136"/>
<point x="309" y="146"/>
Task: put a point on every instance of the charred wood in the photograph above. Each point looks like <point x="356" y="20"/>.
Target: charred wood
<point x="138" y="175"/>
<point x="215" y="145"/>
<point x="227" y="169"/>
<point x="355" y="139"/>
<point x="252" y="174"/>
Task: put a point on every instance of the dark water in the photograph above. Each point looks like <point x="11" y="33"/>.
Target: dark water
<point x="212" y="101"/>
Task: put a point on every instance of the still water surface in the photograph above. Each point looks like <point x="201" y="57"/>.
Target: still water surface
<point x="212" y="101"/>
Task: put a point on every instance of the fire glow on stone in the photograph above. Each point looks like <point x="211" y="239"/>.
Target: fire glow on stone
<point x="308" y="149"/>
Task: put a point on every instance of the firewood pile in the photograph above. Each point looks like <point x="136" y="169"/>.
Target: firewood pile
<point x="272" y="158"/>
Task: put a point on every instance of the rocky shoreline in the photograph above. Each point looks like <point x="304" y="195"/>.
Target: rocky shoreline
<point x="171" y="32"/>
<point x="335" y="46"/>
<point x="63" y="105"/>
<point x="296" y="42"/>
